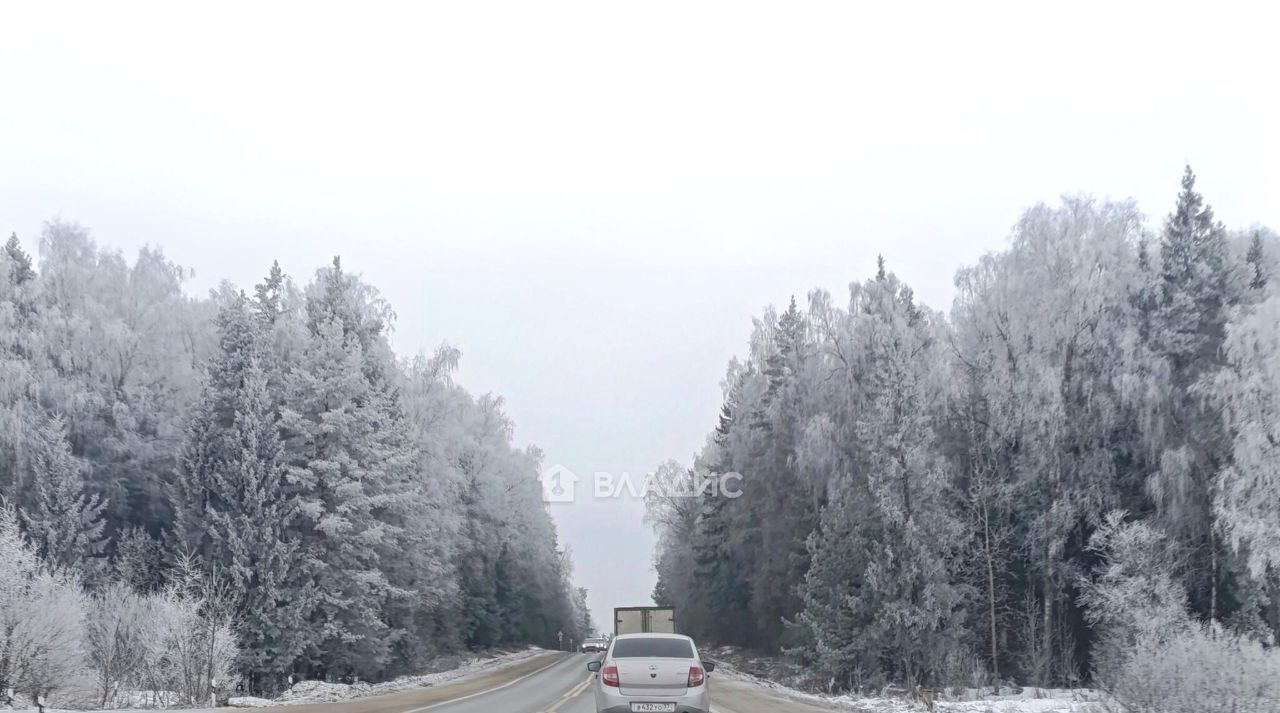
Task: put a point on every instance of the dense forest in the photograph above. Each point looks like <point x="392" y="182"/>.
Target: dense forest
<point x="260" y="465"/>
<point x="1079" y="463"/>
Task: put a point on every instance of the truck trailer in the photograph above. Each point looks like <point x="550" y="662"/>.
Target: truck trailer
<point x="644" y="620"/>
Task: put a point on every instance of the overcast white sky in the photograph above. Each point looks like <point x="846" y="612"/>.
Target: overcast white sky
<point x="592" y="200"/>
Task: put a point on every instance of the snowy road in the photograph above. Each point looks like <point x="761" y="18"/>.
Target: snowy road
<point x="554" y="683"/>
<point x="530" y="686"/>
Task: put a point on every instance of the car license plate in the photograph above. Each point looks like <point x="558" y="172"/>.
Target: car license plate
<point x="653" y="708"/>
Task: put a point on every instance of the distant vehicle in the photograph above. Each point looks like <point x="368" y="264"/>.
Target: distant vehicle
<point x="593" y="644"/>
<point x="644" y="620"/>
<point x="652" y="673"/>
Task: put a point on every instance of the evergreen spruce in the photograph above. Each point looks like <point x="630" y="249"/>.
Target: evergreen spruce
<point x="21" y="270"/>
<point x="63" y="521"/>
<point x="1257" y="266"/>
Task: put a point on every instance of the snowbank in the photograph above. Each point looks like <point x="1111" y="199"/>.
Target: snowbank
<point x="305" y="692"/>
<point x="250" y="702"/>
<point x="1028" y="700"/>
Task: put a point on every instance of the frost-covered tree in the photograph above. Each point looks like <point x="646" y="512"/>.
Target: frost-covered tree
<point x="115" y="627"/>
<point x="1132" y="593"/>
<point x="232" y="505"/>
<point x="115" y="351"/>
<point x="584" y="624"/>
<point x="20" y="413"/>
<point x="1080" y="372"/>
<point x="1191" y="322"/>
<point x="783" y="505"/>
<point x="884" y="597"/>
<point x="511" y="571"/>
<point x="276" y="439"/>
<point x="1247" y="493"/>
<point x="1256" y="258"/>
<point x="838" y="616"/>
<point x="425" y="570"/>
<point x="260" y="558"/>
<point x="190" y="636"/>
<point x="138" y="560"/>
<point x="41" y="616"/>
<point x="62" y="520"/>
<point x="350" y="466"/>
<point x="1042" y="336"/>
<point x="714" y="593"/>
<point x="673" y="513"/>
<point x="20" y="266"/>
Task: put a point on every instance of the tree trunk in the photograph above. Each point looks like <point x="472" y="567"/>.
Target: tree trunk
<point x="1213" y="576"/>
<point x="991" y="591"/>
<point x="1048" y="613"/>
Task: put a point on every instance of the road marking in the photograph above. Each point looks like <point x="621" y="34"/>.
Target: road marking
<point x="572" y="694"/>
<point x="489" y="690"/>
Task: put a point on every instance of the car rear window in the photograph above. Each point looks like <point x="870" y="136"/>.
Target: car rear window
<point x="652" y="648"/>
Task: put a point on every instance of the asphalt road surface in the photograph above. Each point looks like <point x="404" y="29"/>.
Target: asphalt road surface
<point x="554" y="683"/>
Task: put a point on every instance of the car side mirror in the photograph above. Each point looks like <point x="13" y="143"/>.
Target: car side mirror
<point x="593" y="666"/>
<point x="708" y="666"/>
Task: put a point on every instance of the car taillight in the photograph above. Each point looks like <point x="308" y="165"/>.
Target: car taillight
<point x="696" y="676"/>
<point x="610" y="676"/>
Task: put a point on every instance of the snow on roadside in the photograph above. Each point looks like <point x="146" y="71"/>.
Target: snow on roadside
<point x="250" y="702"/>
<point x="1029" y="700"/>
<point x="32" y="709"/>
<point x="307" y="692"/>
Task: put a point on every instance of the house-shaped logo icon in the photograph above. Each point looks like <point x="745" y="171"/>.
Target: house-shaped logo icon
<point x="558" y="484"/>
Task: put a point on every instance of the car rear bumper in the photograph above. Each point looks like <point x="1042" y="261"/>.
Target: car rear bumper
<point x="626" y="708"/>
<point x="608" y="700"/>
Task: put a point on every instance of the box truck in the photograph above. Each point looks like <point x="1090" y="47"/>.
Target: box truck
<point x="644" y="620"/>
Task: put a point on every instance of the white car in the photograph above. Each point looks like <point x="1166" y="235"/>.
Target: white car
<point x="652" y="673"/>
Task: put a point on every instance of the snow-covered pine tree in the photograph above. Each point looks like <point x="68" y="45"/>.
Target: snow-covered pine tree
<point x="63" y="521"/>
<point x="20" y="266"/>
<point x="232" y="507"/>
<point x="350" y="466"/>
<point x="255" y="546"/>
<point x="783" y="507"/>
<point x="193" y="492"/>
<point x="138" y="561"/>
<point x="190" y="489"/>
<point x="909" y="540"/>
<point x="1191" y="319"/>
<point x="269" y="294"/>
<point x="1256" y="258"/>
<point x="719" y="606"/>
<point x="478" y="613"/>
<point x="839" y="613"/>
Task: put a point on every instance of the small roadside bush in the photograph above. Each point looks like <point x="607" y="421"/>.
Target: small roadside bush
<point x="1197" y="670"/>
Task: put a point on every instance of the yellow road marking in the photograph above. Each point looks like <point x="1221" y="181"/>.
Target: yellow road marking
<point x="573" y="693"/>
<point x="531" y="674"/>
